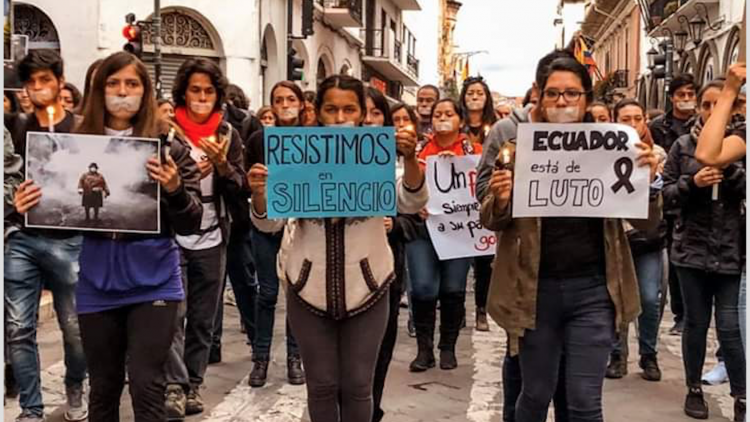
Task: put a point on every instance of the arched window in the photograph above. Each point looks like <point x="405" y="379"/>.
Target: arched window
<point x="36" y="25"/>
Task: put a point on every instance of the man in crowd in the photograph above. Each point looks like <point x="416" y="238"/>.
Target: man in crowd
<point x="427" y="96"/>
<point x="665" y="130"/>
<point x="36" y="259"/>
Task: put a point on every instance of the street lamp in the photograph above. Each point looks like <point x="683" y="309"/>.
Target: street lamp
<point x="681" y="35"/>
<point x="651" y="54"/>
<point x="698" y="23"/>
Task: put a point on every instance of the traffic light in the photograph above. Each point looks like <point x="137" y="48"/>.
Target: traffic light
<point x="132" y="33"/>
<point x="294" y="66"/>
<point x="307" y="18"/>
<point x="660" y="69"/>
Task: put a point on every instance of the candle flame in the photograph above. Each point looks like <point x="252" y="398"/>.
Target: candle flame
<point x="212" y="138"/>
<point x="50" y="110"/>
<point x="409" y="127"/>
<point x="506" y="156"/>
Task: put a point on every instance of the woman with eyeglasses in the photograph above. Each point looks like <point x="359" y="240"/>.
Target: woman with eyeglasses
<point x="565" y="282"/>
<point x="479" y="116"/>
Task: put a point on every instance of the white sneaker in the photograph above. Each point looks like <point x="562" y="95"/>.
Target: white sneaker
<point x="78" y="409"/>
<point x="716" y="376"/>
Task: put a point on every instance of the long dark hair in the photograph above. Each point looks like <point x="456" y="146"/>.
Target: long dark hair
<point x="297" y="93"/>
<point x="145" y="122"/>
<point x="14" y="106"/>
<point x="381" y="104"/>
<point x="344" y="83"/>
<point x="488" y="113"/>
<point x="199" y="65"/>
<point x="410" y="111"/>
<point x="88" y="81"/>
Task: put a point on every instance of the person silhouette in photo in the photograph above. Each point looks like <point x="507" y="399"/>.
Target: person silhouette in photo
<point x="93" y="189"/>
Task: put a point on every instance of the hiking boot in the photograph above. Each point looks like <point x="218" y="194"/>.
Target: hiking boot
<point x="739" y="409"/>
<point x="259" y="374"/>
<point x="695" y="406"/>
<point x="617" y="368"/>
<point x="214" y="356"/>
<point x="193" y="402"/>
<point x="175" y="402"/>
<point x="78" y="409"/>
<point x="294" y="371"/>
<point x="650" y="366"/>
<point x="481" y="320"/>
<point x="716" y="376"/>
<point x="677" y="328"/>
<point x="27" y="416"/>
<point x="448" y="359"/>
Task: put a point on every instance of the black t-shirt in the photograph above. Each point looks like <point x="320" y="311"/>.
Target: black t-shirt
<point x="572" y="247"/>
<point x="20" y="124"/>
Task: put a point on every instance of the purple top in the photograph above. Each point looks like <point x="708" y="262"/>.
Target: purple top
<point x="115" y="273"/>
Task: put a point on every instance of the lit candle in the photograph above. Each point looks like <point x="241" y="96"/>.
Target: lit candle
<point x="506" y="156"/>
<point x="486" y="130"/>
<point x="410" y="128"/>
<point x="51" y="118"/>
<point x="212" y="138"/>
<point x="715" y="193"/>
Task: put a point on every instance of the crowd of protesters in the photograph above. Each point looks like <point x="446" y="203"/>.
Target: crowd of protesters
<point x="148" y="309"/>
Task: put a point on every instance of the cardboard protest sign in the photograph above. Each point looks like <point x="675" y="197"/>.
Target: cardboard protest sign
<point x="453" y="224"/>
<point x="579" y="170"/>
<point x="323" y="172"/>
<point x="93" y="183"/>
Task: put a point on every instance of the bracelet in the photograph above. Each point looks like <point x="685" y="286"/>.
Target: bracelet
<point x="417" y="189"/>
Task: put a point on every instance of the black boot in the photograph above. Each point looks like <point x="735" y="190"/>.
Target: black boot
<point x="452" y="314"/>
<point x="424" y="323"/>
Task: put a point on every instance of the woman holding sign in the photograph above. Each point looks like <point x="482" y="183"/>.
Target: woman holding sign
<point x="564" y="283"/>
<point x="130" y="285"/>
<point x="339" y="334"/>
<point x="432" y="279"/>
<point x="709" y="247"/>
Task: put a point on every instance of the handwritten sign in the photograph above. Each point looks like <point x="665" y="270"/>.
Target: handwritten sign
<point x="453" y="224"/>
<point x="324" y="172"/>
<point x="579" y="170"/>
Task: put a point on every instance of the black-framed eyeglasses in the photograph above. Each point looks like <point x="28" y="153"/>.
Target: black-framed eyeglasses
<point x="569" y="95"/>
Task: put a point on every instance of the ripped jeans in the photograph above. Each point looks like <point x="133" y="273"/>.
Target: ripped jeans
<point x="31" y="263"/>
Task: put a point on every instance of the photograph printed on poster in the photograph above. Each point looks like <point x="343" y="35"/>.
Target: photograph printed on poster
<point x="94" y="183"/>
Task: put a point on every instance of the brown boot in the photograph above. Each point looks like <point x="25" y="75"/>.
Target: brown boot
<point x="481" y="320"/>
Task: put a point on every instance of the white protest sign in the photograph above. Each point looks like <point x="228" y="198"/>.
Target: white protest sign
<point x="579" y="170"/>
<point x="453" y="224"/>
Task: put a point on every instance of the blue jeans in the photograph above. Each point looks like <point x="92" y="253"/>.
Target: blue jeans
<point x="265" y="249"/>
<point x="31" y="263"/>
<point x="431" y="277"/>
<point x="743" y="308"/>
<point x="649" y="268"/>
<point x="704" y="292"/>
<point x="574" y="316"/>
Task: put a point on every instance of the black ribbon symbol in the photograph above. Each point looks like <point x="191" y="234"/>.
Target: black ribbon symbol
<point x="623" y="171"/>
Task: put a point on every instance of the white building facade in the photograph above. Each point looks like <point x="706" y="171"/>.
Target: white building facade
<point x="247" y="38"/>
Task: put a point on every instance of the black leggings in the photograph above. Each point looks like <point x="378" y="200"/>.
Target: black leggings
<point x="386" y="351"/>
<point x="141" y="333"/>
<point x="482" y="275"/>
<point x="339" y="359"/>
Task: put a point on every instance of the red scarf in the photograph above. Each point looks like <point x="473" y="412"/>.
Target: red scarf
<point x="197" y="131"/>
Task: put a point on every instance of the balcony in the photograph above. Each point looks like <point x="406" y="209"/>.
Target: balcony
<point x="664" y="15"/>
<point x="408" y="4"/>
<point x="620" y="79"/>
<point x="342" y="13"/>
<point x="384" y="53"/>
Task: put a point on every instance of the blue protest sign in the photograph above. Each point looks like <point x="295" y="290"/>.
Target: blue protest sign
<point x="323" y="172"/>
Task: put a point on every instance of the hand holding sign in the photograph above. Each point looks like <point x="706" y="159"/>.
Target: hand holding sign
<point x="580" y="170"/>
<point x="27" y="196"/>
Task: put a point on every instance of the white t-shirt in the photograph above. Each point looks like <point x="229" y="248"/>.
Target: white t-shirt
<point x="211" y="231"/>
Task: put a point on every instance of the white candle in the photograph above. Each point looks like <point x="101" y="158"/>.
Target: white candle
<point x="51" y="117"/>
<point x="715" y="193"/>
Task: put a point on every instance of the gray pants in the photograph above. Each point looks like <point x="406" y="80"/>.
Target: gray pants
<point x="203" y="277"/>
<point x="339" y="359"/>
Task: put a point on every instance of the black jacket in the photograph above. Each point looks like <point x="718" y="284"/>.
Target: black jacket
<point x="665" y="130"/>
<point x="708" y="235"/>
